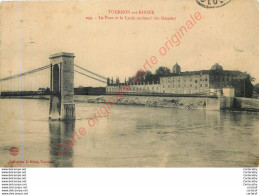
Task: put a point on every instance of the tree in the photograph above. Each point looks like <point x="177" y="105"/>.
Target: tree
<point x="130" y="80"/>
<point x="117" y="81"/>
<point x="162" y="71"/>
<point x="256" y="88"/>
<point x="140" y="74"/>
<point x="108" y="81"/>
<point x="112" y="81"/>
<point x="248" y="86"/>
<point x="149" y="77"/>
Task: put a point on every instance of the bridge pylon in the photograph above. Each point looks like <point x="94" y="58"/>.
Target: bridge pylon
<point x="62" y="106"/>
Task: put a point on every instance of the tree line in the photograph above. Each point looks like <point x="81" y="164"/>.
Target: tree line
<point x="142" y="77"/>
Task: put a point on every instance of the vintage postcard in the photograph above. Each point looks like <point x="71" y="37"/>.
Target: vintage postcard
<point x="129" y="83"/>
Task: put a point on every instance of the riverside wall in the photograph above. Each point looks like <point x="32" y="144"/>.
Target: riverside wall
<point x="152" y="101"/>
<point x="222" y="103"/>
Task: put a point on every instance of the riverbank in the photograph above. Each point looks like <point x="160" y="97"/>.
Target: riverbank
<point x="43" y="97"/>
<point x="151" y="101"/>
<point x="224" y="103"/>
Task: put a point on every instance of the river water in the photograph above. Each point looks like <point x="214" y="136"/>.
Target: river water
<point x="131" y="136"/>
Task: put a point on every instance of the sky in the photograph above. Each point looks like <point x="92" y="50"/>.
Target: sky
<point x="32" y="31"/>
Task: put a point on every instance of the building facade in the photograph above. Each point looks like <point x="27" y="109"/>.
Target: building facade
<point x="203" y="82"/>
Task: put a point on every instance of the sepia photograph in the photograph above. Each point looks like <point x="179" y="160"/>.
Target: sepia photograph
<point x="129" y="83"/>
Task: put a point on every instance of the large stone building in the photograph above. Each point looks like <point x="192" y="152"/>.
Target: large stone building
<point x="202" y="82"/>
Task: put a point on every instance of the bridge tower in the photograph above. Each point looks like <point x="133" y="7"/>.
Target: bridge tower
<point x="62" y="106"/>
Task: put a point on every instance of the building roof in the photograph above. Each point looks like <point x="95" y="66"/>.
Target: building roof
<point x="217" y="67"/>
<point x="210" y="72"/>
<point x="62" y="54"/>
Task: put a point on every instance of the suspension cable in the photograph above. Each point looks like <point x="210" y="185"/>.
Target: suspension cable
<point x="25" y="73"/>
<point x="89" y="76"/>
<point x="91" y="72"/>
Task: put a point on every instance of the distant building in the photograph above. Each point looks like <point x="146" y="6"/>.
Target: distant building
<point x="89" y="90"/>
<point x="202" y="82"/>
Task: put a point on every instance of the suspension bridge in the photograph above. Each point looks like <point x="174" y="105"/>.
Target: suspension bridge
<point x="55" y="79"/>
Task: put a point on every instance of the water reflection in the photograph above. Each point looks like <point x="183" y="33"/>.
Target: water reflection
<point x="60" y="133"/>
<point x="132" y="136"/>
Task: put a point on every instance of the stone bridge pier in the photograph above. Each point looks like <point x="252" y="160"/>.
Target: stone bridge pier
<point x="62" y="106"/>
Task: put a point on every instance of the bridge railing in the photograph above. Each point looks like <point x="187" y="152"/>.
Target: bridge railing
<point x="25" y="93"/>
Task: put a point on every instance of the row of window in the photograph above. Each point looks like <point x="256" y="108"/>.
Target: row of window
<point x="201" y="85"/>
<point x="226" y="79"/>
<point x="136" y="89"/>
<point x="169" y="86"/>
<point x="196" y="81"/>
<point x="216" y="78"/>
